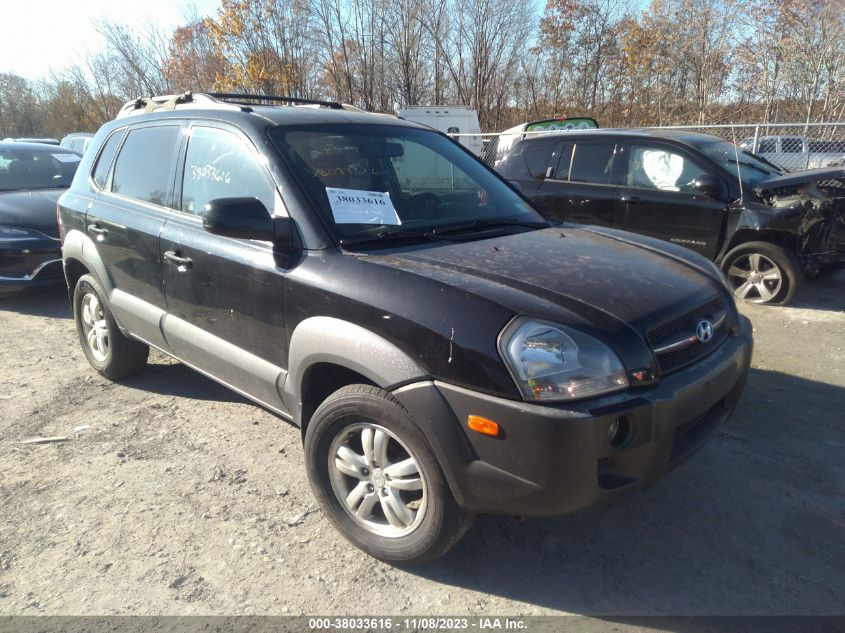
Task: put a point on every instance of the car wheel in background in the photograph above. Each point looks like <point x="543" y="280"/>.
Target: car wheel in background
<point x="762" y="272"/>
<point x="110" y="352"/>
<point x="377" y="479"/>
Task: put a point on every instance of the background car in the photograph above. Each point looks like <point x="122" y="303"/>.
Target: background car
<point x="32" y="177"/>
<point x="766" y="229"/>
<point x="45" y="141"/>
<point x="77" y="141"/>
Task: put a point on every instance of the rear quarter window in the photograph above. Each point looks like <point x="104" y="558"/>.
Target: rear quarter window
<point x="104" y="160"/>
<point x="538" y="159"/>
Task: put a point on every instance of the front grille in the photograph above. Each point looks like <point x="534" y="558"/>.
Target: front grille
<point x="683" y="327"/>
<point x="685" y="427"/>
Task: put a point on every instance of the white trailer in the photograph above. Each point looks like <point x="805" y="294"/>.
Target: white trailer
<point x="452" y="120"/>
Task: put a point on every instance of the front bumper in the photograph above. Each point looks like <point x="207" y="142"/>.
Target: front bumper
<point x="31" y="262"/>
<point x="556" y="459"/>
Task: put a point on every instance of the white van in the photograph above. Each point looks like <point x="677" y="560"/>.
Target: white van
<point x="452" y="120"/>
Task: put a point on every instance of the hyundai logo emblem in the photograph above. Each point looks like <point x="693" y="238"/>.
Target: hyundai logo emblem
<point x="704" y="331"/>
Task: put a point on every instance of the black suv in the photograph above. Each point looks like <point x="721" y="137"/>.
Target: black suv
<point x="764" y="227"/>
<point x="445" y="350"/>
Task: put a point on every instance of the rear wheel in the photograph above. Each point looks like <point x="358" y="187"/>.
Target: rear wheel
<point x="377" y="479"/>
<point x="108" y="351"/>
<point x="761" y="272"/>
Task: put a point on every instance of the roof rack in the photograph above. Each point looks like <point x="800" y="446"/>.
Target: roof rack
<point x="249" y="99"/>
<point x="227" y="100"/>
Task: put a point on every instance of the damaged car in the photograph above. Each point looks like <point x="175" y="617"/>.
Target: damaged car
<point x="764" y="227"/>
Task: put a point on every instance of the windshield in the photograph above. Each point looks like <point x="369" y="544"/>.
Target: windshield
<point x="36" y="169"/>
<point x="754" y="170"/>
<point x="382" y="182"/>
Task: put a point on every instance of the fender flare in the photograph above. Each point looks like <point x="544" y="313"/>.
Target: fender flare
<point x="329" y="340"/>
<point x="78" y="246"/>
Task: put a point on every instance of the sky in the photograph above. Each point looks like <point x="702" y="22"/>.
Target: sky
<point x="39" y="35"/>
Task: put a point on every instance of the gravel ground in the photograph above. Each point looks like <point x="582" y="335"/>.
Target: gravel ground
<point x="173" y="495"/>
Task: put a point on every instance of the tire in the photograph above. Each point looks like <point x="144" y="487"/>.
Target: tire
<point x="426" y="521"/>
<point x="762" y="272"/>
<point x="108" y="351"/>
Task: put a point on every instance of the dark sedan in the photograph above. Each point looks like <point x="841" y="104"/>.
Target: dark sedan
<point x="32" y="177"/>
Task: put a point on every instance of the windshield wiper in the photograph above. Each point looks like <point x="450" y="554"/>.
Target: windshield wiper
<point x="446" y="234"/>
<point x="777" y="168"/>
<point x="488" y="223"/>
<point x="389" y="236"/>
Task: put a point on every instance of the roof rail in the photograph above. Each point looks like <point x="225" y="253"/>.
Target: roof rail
<point x="249" y="99"/>
<point x="226" y="100"/>
<point x="143" y="105"/>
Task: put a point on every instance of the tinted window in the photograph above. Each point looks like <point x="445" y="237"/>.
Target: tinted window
<point x="220" y="165"/>
<point x="144" y="167"/>
<point x="564" y="162"/>
<point x="538" y="158"/>
<point x="660" y="168"/>
<point x="766" y="146"/>
<point x="101" y="169"/>
<point x="24" y="168"/>
<point x="592" y="162"/>
<point x="792" y="145"/>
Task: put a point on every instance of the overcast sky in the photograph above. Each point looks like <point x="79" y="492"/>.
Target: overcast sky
<point x="39" y="35"/>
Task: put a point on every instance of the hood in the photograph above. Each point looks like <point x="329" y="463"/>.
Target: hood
<point x="31" y="209"/>
<point x="801" y="177"/>
<point x="593" y="274"/>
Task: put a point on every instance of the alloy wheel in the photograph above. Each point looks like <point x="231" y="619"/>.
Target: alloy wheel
<point x="755" y="278"/>
<point x="377" y="480"/>
<point x="94" y="327"/>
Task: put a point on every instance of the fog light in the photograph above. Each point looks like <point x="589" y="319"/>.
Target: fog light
<point x="618" y="432"/>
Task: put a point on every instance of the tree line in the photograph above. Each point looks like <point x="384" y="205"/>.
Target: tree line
<point x="675" y="62"/>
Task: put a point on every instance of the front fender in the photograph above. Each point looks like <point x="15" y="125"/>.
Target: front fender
<point x="330" y="340"/>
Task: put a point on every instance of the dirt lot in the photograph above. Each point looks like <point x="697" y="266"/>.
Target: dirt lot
<point x="183" y="498"/>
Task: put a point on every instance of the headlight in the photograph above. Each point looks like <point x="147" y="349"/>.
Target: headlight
<point x="12" y="234"/>
<point x="552" y="362"/>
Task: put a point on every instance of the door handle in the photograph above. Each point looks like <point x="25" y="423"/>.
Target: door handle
<point x="632" y="200"/>
<point x="96" y="229"/>
<point x="183" y="263"/>
<point x="578" y="203"/>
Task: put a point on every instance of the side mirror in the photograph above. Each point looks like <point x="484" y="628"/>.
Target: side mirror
<point x="246" y="218"/>
<point x="707" y="185"/>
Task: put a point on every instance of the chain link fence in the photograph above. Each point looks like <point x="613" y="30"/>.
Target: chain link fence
<point x="793" y="146"/>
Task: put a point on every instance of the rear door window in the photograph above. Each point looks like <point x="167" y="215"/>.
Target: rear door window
<point x="218" y="164"/>
<point x="592" y="162"/>
<point x="144" y="167"/>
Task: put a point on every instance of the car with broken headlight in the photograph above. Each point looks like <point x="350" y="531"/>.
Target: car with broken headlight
<point x="444" y="349"/>
<point x="765" y="228"/>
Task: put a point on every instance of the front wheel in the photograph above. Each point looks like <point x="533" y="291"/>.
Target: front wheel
<point x="762" y="272"/>
<point x="377" y="480"/>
